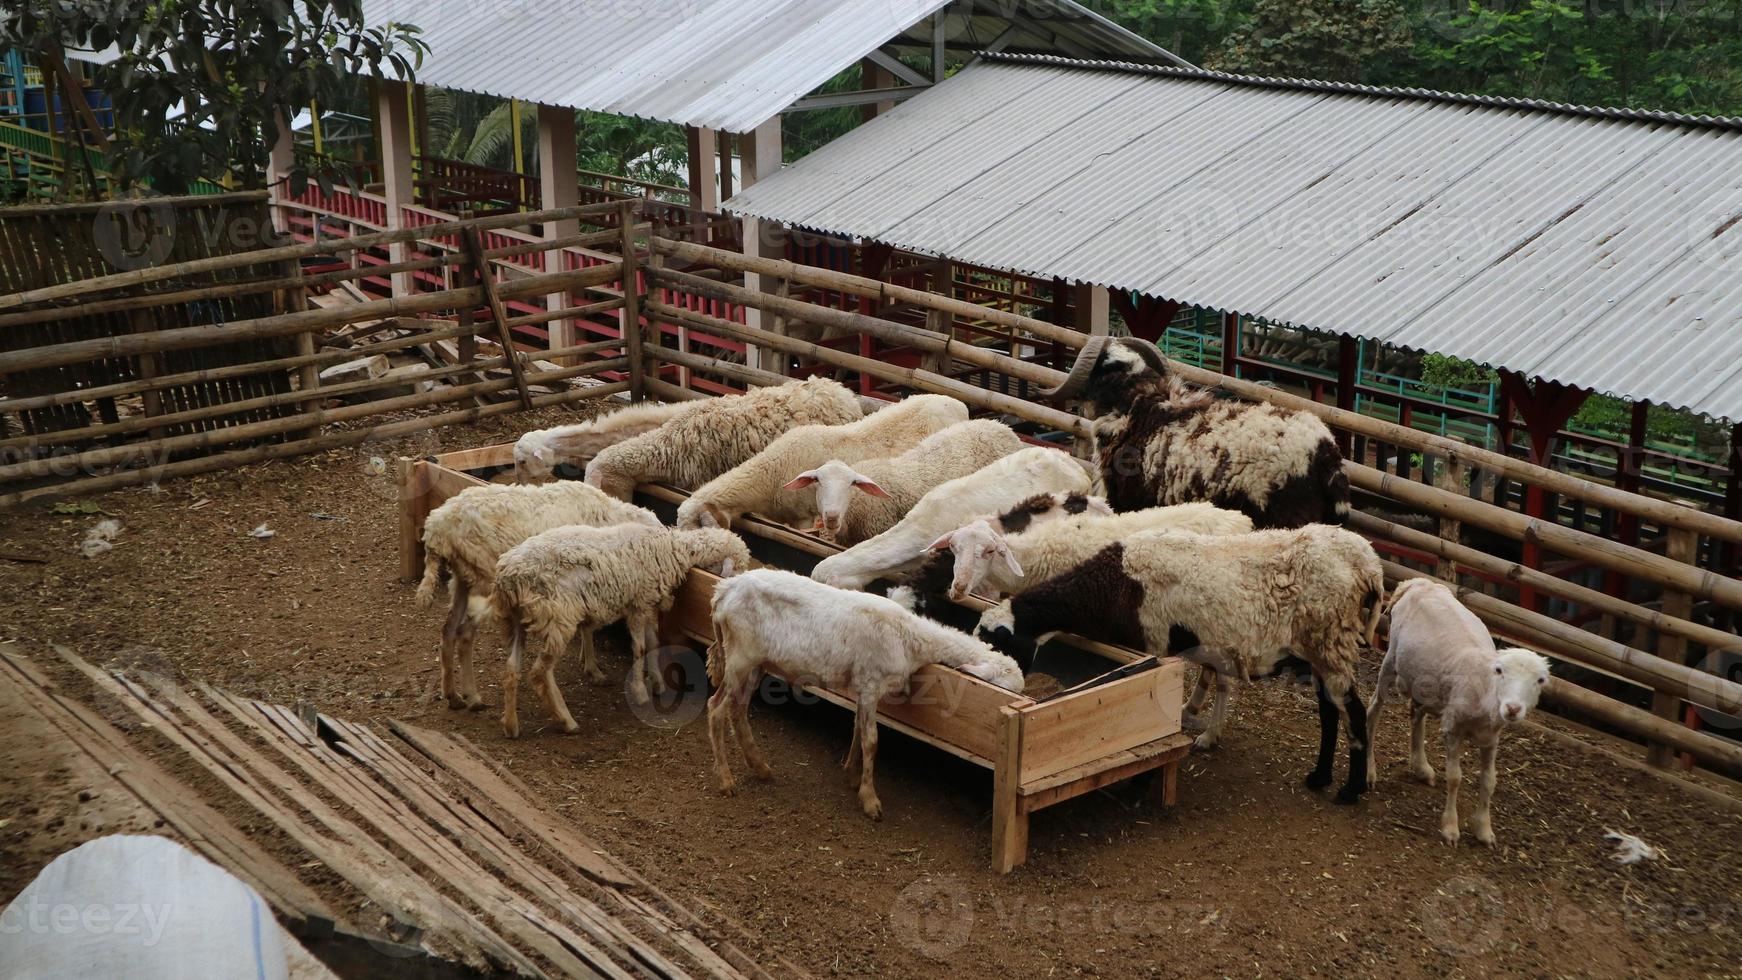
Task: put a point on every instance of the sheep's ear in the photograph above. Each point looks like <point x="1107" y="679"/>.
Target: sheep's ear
<point x="1010" y="561"/>
<point x="870" y="486"/>
<point x="942" y="543"/>
<point x="802" y="480"/>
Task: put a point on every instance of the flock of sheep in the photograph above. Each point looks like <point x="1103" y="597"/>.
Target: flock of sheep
<point x="1203" y="528"/>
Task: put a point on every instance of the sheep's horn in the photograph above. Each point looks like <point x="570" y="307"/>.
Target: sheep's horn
<point x="1150" y="353"/>
<point x="1074" y="382"/>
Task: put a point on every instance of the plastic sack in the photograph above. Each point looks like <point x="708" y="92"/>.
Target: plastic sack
<point x="145" y="908"/>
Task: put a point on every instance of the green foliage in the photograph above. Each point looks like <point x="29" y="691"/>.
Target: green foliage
<point x="1453" y="372"/>
<point x="1339" y="40"/>
<point x="233" y="69"/>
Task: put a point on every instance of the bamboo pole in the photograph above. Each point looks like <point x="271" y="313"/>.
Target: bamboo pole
<point x="729" y="370"/>
<point x="474" y="249"/>
<point x="1682" y="546"/>
<point x="1572" y="643"/>
<point x="147" y="450"/>
<point x="921" y="380"/>
<point x="222" y="409"/>
<point x="530" y="319"/>
<point x="183" y="338"/>
<point x="264" y="256"/>
<point x="1660" y="511"/>
<point x="1626" y="559"/>
<point x="629" y="320"/>
<point x="335" y="440"/>
<point x="1451" y="553"/>
<point x="1718" y="753"/>
<point x="97" y="207"/>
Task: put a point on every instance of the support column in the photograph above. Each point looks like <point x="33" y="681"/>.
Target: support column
<point x="728" y="180"/>
<point x="393" y="107"/>
<point x="873" y="76"/>
<point x="280" y="161"/>
<point x="1092" y="306"/>
<point x="1546" y="407"/>
<point x="1348" y="372"/>
<point x="704" y="188"/>
<point x="559" y="187"/>
<point x="760" y="151"/>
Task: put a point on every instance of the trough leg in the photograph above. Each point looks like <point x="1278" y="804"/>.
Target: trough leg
<point x="1454" y="778"/>
<point x="1009" y="823"/>
<point x="1481" y="824"/>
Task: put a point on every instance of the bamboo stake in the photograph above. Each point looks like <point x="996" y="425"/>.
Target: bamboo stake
<point x="182" y="338"/>
<point x="741" y="373"/>
<point x="146" y="450"/>
<point x="1719" y="753"/>
<point x="336" y="440"/>
<point x="1682" y="546"/>
<point x="531" y="319"/>
<point x="332" y="246"/>
<point x="475" y="251"/>
<point x="629" y="321"/>
<point x="1571" y="643"/>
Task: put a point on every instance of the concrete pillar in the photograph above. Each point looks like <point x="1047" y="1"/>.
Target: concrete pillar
<point x="873" y="76"/>
<point x="559" y="187"/>
<point x="392" y="106"/>
<point x="760" y="152"/>
<point x="704" y="186"/>
<point x="1092" y="306"/>
<point x="280" y="161"/>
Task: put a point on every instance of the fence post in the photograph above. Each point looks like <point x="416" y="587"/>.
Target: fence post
<point x="631" y="313"/>
<point x="1682" y="546"/>
<point x="1452" y="475"/>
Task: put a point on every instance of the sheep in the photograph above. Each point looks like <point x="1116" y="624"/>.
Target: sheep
<point x="1443" y="659"/>
<point x="758" y="484"/>
<point x="1251" y="601"/>
<point x="571" y="579"/>
<point x="894" y="484"/>
<point x="1158" y="442"/>
<point x="993" y="488"/>
<point x="864" y="645"/>
<point x="538" y="453"/>
<point x="718" y="434"/>
<point x="470" y="531"/>
<point x="992" y="563"/>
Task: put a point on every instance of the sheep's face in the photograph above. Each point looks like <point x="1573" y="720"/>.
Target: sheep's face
<point x="1118" y="377"/>
<point x="997" y="629"/>
<point x="977" y="547"/>
<point x="1001" y="671"/>
<point x="836" y="485"/>
<point x="1519" y="677"/>
<point x="533" y="460"/>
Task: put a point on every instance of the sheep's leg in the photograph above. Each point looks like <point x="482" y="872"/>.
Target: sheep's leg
<point x="1454" y="778"/>
<point x="753" y="756"/>
<point x="1190" y="720"/>
<point x="1387" y="671"/>
<point x="637" y="662"/>
<point x="1480" y="823"/>
<point x="1418" y="764"/>
<point x="1356" y="726"/>
<point x="866" y="730"/>
<point x="590" y="660"/>
<point x="467" y="640"/>
<point x="650" y="649"/>
<point x="544" y="672"/>
<point x="1329" y="712"/>
<point x="511" y="678"/>
<point x="851" y="762"/>
<point x="1226" y="670"/>
<point x="450" y="639"/>
<point x="720" y="711"/>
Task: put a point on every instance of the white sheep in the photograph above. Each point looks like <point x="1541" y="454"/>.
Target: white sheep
<point x="861" y="501"/>
<point x="862" y="645"/>
<point x="992" y="489"/>
<point x="580" y="579"/>
<point x="714" y="435"/>
<point x="1239" y="604"/>
<point x="994" y="563"/>
<point x="1443" y="659"/>
<point x="757" y="484"/>
<point x="468" y="533"/>
<point x="538" y="453"/>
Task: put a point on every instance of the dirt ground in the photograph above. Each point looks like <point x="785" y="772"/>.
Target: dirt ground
<point x="1252" y="875"/>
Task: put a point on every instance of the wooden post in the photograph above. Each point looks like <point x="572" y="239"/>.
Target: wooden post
<point x="280" y="161"/>
<point x="704" y="188"/>
<point x="1093" y="309"/>
<point x="397" y="186"/>
<point x="873" y="76"/>
<point x="1451" y="529"/>
<point x="559" y="186"/>
<point x="1682" y="546"/>
<point x="761" y="151"/>
<point x="630" y="322"/>
<point x="413" y="508"/>
<point x="487" y="282"/>
<point x="727" y="156"/>
<point x="519" y="153"/>
<point x="1348" y="375"/>
<point x="936" y="362"/>
<point x="1231" y="344"/>
<point x="150" y="366"/>
<point x="1009" y="822"/>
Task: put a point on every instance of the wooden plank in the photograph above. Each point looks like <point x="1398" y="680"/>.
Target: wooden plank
<point x="1009" y="820"/>
<point x="203" y="828"/>
<point x="483" y="457"/>
<point x="1099" y="721"/>
<point x="1105" y="771"/>
<point x="504" y="800"/>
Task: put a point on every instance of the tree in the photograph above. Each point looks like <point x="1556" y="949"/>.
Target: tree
<point x="1337" y="40"/>
<point x="200" y="85"/>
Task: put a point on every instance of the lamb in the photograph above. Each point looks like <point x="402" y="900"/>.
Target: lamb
<point x="862" y="644"/>
<point x="468" y="533"/>
<point x="1157" y="442"/>
<point x="893" y="484"/>
<point x="538" y="454"/>
<point x="757" y="485"/>
<point x="996" y="487"/>
<point x="989" y="562"/>
<point x="571" y="579"/>
<point x="1443" y="659"/>
<point x="1251" y="601"/>
<point x="718" y="434"/>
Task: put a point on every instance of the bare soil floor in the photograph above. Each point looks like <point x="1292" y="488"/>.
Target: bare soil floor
<point x="1252" y="875"/>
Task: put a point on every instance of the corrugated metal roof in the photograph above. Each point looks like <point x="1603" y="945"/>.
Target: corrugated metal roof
<point x="722" y="64"/>
<point x="1597" y="247"/>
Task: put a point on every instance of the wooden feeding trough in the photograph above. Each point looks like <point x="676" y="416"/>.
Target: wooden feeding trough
<point x="1103" y="727"/>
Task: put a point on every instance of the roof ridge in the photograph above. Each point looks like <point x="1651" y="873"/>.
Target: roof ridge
<point x="1354" y="88"/>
